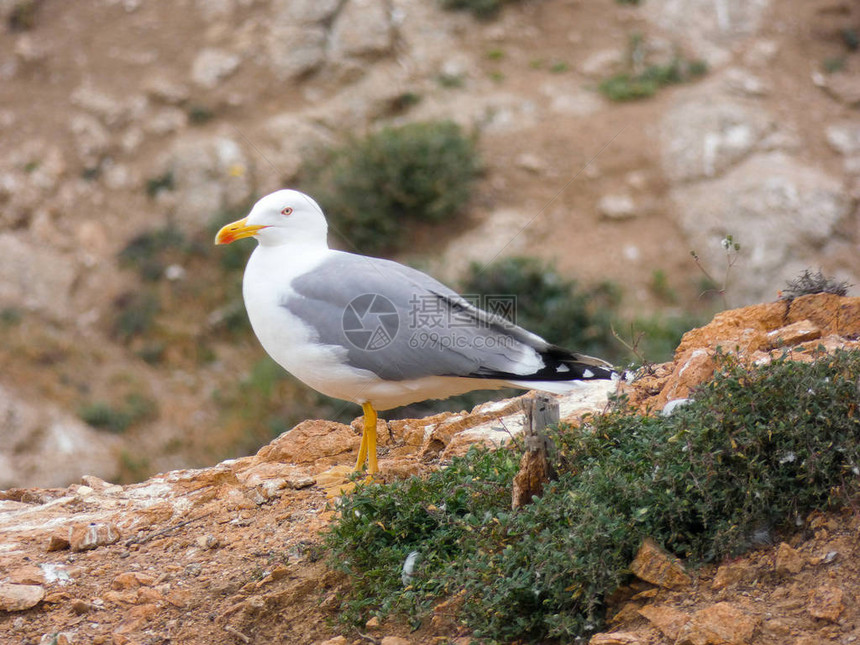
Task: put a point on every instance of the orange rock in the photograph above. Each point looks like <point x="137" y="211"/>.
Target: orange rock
<point x="58" y="541"/>
<point x="825" y="602"/>
<point x="793" y="334"/>
<point x="729" y="574"/>
<point x="746" y="328"/>
<point x="312" y="441"/>
<point x="652" y="564"/>
<point x="136" y="618"/>
<point x="178" y="598"/>
<point x="149" y="595"/>
<point x="27" y="575"/>
<point x="337" y="640"/>
<point x="667" y="619"/>
<point x="720" y="624"/>
<point x="120" y="597"/>
<point x="833" y="314"/>
<point x="20" y="597"/>
<point x="691" y="369"/>
<point x="83" y="537"/>
<point x="788" y="560"/>
<point x="413" y="431"/>
<point x="131" y="580"/>
<point x="395" y="640"/>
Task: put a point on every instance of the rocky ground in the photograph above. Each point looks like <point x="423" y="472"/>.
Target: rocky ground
<point x="120" y="117"/>
<point x="233" y="554"/>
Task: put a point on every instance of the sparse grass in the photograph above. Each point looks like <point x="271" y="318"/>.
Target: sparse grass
<point x="135" y="314"/>
<point x="483" y="9"/>
<point x="155" y="185"/>
<point x="630" y="86"/>
<point x="200" y="114"/>
<point x="642" y="80"/>
<point x="833" y="65"/>
<point x="661" y="289"/>
<point x="373" y="188"/>
<point x="132" y="468"/>
<point x="22" y="16"/>
<point x="808" y="283"/>
<point x="148" y="252"/>
<point x="134" y="409"/>
<point x="10" y="316"/>
<point x="851" y="38"/>
<point x="755" y="452"/>
<point x="402" y="102"/>
<point x="451" y="81"/>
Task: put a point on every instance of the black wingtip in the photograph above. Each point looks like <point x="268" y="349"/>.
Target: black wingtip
<point x="560" y="365"/>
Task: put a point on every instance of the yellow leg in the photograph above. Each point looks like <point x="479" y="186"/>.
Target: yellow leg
<point x="362" y="451"/>
<point x="367" y="449"/>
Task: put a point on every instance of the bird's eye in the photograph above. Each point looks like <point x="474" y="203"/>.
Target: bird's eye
<point x="287" y="211"/>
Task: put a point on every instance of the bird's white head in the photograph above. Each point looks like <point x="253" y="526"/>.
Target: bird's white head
<point x="282" y="217"/>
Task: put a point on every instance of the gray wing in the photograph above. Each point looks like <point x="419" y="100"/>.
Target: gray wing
<point x="402" y="324"/>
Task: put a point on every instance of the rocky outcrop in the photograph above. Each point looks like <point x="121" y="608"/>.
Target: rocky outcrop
<point x="801" y="327"/>
<point x="232" y="550"/>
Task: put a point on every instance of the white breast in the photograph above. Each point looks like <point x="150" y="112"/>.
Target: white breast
<point x="286" y="338"/>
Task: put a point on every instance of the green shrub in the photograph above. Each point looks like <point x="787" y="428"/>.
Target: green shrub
<point x="372" y="188"/>
<point x="10" y="316"/>
<point x="118" y="418"/>
<point x="200" y="114"/>
<point x="148" y="252"/>
<point x="157" y="184"/>
<point x="135" y="314"/>
<point x="479" y="8"/>
<point x="630" y="86"/>
<point x="755" y="452"/>
<point x="21" y="15"/>
<point x="642" y="80"/>
<point x="549" y="305"/>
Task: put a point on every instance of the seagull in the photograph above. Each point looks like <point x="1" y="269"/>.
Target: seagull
<point x="375" y="332"/>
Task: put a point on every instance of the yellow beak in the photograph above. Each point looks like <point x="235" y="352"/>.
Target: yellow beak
<point x="236" y="231"/>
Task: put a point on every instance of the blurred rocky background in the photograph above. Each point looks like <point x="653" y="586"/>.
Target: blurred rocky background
<point x="602" y="141"/>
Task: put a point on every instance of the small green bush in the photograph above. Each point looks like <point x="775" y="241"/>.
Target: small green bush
<point x="10" y="316"/>
<point x="372" y="188"/>
<point x="629" y="86"/>
<point x="642" y="80"/>
<point x="21" y="15"/>
<point x="148" y="252"/>
<point x="135" y="409"/>
<point x="483" y="9"/>
<point x="752" y="455"/>
<point x="549" y="305"/>
<point x="135" y="314"/>
<point x="157" y="184"/>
